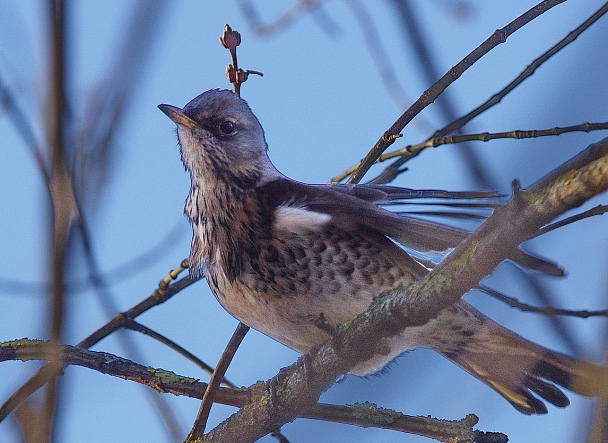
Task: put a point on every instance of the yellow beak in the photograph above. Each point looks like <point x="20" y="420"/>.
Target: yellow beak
<point x="178" y="116"/>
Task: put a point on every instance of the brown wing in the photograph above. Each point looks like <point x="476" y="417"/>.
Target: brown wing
<point x="417" y="234"/>
<point x="359" y="203"/>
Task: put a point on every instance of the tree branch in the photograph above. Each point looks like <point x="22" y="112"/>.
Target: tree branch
<point x="363" y="415"/>
<point x="163" y="293"/>
<point x="498" y="37"/>
<point x="158" y="379"/>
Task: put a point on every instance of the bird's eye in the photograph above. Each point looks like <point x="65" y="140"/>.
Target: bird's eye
<point x="227" y="127"/>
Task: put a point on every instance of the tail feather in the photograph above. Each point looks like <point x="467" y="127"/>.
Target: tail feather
<point x="520" y="370"/>
<point x="517" y="380"/>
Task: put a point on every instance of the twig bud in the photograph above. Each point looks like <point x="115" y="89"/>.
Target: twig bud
<point x="230" y="39"/>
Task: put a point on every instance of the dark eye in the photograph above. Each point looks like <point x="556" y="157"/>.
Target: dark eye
<point x="227" y="127"/>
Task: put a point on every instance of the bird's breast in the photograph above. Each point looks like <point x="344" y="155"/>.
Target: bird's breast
<point x="304" y="265"/>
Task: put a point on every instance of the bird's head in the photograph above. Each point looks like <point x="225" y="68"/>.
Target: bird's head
<point x="220" y="137"/>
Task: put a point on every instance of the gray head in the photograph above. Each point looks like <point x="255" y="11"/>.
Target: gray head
<point x="220" y="136"/>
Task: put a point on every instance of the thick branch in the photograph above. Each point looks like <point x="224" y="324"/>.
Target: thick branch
<point x="295" y="390"/>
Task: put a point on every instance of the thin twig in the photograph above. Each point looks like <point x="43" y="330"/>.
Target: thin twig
<point x="549" y="311"/>
<point x="135" y="326"/>
<point x="530" y="69"/>
<point x="497" y="38"/>
<point x="218" y="375"/>
<point x="410" y="151"/>
<point x="598" y="210"/>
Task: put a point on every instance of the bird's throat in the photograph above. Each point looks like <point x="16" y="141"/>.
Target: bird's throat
<point x="225" y="221"/>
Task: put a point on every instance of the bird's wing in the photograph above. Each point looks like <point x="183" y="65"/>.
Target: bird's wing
<point x="359" y="205"/>
<point x="384" y="195"/>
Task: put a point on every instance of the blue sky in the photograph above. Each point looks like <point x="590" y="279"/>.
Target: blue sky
<point x="322" y="106"/>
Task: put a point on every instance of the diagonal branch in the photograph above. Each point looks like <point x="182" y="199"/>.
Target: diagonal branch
<point x="431" y="94"/>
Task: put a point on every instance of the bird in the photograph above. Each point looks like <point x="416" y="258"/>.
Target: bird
<point x="278" y="254"/>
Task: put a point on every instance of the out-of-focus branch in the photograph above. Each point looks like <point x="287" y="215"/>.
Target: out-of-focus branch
<point x="289" y="15"/>
<point x="380" y="56"/>
<point x="115" y="275"/>
<point x="598" y="421"/>
<point x="9" y="102"/>
<point x="481" y="173"/>
<point x="62" y="208"/>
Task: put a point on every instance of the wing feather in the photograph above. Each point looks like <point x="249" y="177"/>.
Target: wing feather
<point x="360" y="205"/>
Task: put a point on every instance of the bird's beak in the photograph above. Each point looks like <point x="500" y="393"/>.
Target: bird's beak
<point x="178" y="116"/>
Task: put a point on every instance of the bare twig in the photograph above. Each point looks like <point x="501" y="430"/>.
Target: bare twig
<point x="498" y="37"/>
<point x="370" y="415"/>
<point x="530" y="69"/>
<point x="598" y="210"/>
<point x="135" y="326"/>
<point x="158" y="379"/>
<point x="549" y="311"/>
<point x="410" y="151"/>
<point x="230" y="39"/>
<point x="218" y="376"/>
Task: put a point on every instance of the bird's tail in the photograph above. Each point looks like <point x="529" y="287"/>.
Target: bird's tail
<point x="517" y="368"/>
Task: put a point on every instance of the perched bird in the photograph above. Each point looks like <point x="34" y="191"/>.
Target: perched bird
<point x="278" y="253"/>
